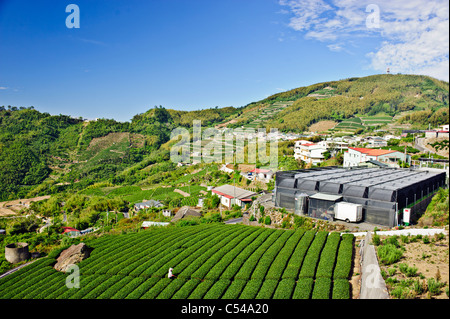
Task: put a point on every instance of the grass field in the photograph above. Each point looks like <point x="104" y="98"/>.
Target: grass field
<point x="210" y="261"/>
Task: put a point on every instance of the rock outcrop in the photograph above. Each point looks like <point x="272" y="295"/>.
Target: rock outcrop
<point x="72" y="255"/>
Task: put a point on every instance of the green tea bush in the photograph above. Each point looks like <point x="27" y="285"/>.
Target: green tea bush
<point x="344" y="258"/>
<point x="341" y="289"/>
<point x="322" y="288"/>
<point x="303" y="288"/>
<point x="389" y="254"/>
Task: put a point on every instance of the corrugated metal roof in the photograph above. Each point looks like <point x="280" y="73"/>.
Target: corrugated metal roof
<point x="233" y="192"/>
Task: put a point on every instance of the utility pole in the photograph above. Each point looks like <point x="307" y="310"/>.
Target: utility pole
<point x="234" y="188"/>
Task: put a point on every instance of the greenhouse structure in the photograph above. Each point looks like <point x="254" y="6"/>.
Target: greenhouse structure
<point x="383" y="192"/>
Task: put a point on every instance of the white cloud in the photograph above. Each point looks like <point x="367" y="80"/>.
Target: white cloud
<point x="335" y="47"/>
<point x="414" y="33"/>
<point x="3" y="88"/>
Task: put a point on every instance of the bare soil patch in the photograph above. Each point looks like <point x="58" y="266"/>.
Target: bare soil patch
<point x="430" y="259"/>
<point x="12" y="207"/>
<point x="322" y="126"/>
<point x="107" y="141"/>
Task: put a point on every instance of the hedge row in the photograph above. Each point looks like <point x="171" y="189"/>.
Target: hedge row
<point x="284" y="289"/>
<point x="344" y="258"/>
<point x="170" y="259"/>
<point x="219" y="254"/>
<point x="43" y="289"/>
<point x="171" y="289"/>
<point x="216" y="270"/>
<point x="240" y="259"/>
<point x="135" y="264"/>
<point x="201" y="289"/>
<point x="293" y="266"/>
<point x="125" y="261"/>
<point x="21" y="276"/>
<point x="247" y="268"/>
<point x="161" y="250"/>
<point x="217" y="290"/>
<point x="104" y="286"/>
<point x="140" y="290"/>
<point x="251" y="289"/>
<point x="278" y="265"/>
<point x="303" y="288"/>
<point x="328" y="256"/>
<point x="101" y="259"/>
<point x="115" y="288"/>
<point x="211" y="262"/>
<point x="234" y="290"/>
<point x="128" y="288"/>
<point x="197" y="259"/>
<point x="186" y="289"/>
<point x="156" y="289"/>
<point x="322" y="288"/>
<point x="87" y="283"/>
<point x="270" y="255"/>
<point x="267" y="289"/>
<point x="22" y="290"/>
<point x="341" y="289"/>
<point x="312" y="256"/>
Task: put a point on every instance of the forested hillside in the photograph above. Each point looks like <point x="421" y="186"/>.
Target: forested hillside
<point x="71" y="153"/>
<point x="44" y="154"/>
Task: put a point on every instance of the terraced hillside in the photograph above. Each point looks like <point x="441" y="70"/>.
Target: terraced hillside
<point x="210" y="261"/>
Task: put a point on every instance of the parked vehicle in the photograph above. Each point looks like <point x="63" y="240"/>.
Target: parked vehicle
<point x="348" y="211"/>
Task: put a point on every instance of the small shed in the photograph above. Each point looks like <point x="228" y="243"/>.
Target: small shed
<point x="322" y="205"/>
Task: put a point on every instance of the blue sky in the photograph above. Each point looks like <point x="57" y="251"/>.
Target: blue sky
<point x="128" y="56"/>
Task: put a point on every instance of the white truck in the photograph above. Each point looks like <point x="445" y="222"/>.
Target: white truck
<point x="349" y="212"/>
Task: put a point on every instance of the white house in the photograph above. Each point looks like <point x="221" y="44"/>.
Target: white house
<point x="262" y="174"/>
<point x="310" y="153"/>
<point x="230" y="195"/>
<point x="147" y="204"/>
<point x="334" y="145"/>
<point x="355" y="156"/>
<point x="376" y="141"/>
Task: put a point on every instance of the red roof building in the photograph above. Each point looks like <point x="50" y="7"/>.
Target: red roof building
<point x="230" y="195"/>
<point x="69" y="229"/>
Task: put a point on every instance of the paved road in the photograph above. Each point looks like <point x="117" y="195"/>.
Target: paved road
<point x="373" y="285"/>
<point x="418" y="143"/>
<point x="9" y="272"/>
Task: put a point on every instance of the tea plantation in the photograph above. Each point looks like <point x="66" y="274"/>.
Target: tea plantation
<point x="210" y="261"/>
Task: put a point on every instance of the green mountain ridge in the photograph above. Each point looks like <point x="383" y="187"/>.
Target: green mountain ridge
<point x="45" y="154"/>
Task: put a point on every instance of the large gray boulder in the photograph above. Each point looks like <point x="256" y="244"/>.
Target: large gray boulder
<point x="72" y="255"/>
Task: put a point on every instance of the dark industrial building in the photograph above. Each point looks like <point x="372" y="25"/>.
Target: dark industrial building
<point x="382" y="192"/>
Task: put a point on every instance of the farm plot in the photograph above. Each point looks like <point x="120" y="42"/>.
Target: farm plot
<point x="376" y="120"/>
<point x="213" y="261"/>
<point x="351" y="124"/>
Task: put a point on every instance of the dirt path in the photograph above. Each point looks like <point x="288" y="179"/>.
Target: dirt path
<point x="179" y="191"/>
<point x="12" y="207"/>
